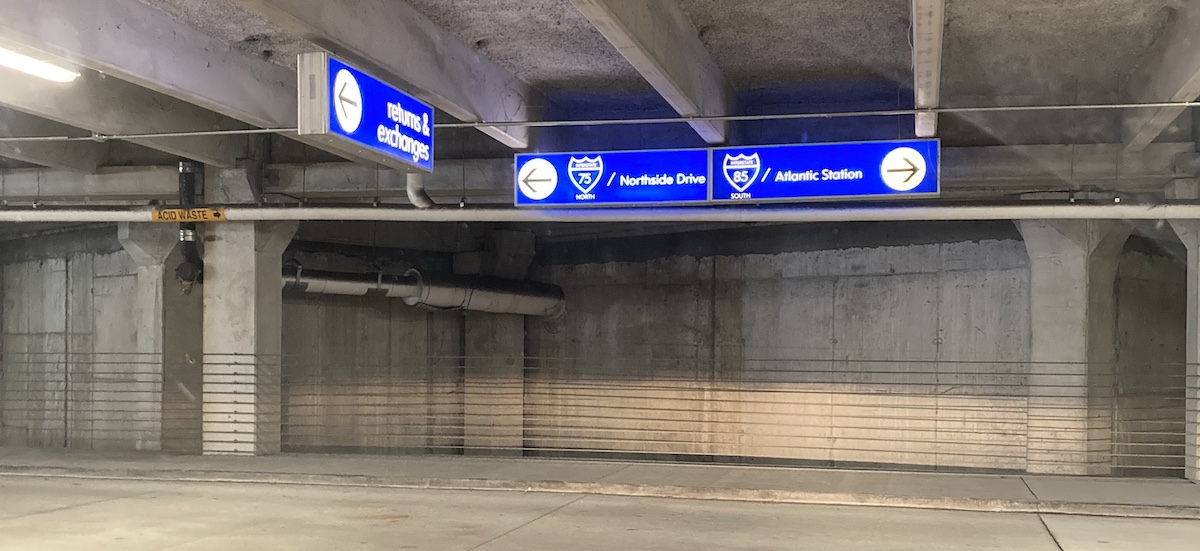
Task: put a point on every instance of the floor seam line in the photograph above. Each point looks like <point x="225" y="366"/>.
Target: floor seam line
<point x="614" y="473"/>
<point x="1030" y="488"/>
<point x="540" y="517"/>
<point x="1050" y="532"/>
<point x="73" y="506"/>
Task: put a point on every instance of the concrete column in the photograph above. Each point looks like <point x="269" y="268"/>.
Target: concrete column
<point x="1189" y="233"/>
<point x="494" y="386"/>
<point x="168" y="335"/>
<point x="1072" y="270"/>
<point x="243" y="311"/>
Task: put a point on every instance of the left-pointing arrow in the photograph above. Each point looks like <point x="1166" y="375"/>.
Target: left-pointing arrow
<point x="344" y="100"/>
<point x="537" y="179"/>
<point x="530" y="180"/>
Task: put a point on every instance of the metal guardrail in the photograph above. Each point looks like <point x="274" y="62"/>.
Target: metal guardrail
<point x="1124" y="420"/>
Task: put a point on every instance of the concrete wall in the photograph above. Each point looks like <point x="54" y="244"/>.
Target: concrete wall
<point x="365" y="374"/>
<point x="883" y="355"/>
<point x="836" y="350"/>
<point x="70" y="371"/>
<point x="1151" y="338"/>
<point x="909" y="354"/>
<point x="182" y="368"/>
<point x="868" y="350"/>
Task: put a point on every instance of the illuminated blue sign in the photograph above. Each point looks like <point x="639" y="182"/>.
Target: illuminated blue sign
<point x="875" y="170"/>
<point x="361" y="115"/>
<point x="614" y="178"/>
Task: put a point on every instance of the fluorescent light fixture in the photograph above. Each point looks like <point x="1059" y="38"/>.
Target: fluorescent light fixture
<point x="35" y="67"/>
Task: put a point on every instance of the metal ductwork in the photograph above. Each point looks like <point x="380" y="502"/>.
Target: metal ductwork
<point x="474" y="294"/>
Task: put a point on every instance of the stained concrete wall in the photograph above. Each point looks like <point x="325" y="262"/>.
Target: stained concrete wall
<point x="1151" y="338"/>
<point x="847" y="351"/>
<point x="911" y="354"/>
<point x="370" y="374"/>
<point x="183" y="367"/>
<point x="882" y="355"/>
<point x="494" y="384"/>
<point x="872" y="350"/>
<point x="70" y="371"/>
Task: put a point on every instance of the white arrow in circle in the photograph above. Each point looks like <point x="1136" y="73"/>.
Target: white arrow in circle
<point x="345" y="100"/>
<point x="537" y="179"/>
<point x="348" y="101"/>
<point x="903" y="169"/>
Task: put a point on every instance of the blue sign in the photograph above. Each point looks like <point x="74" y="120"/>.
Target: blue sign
<point x="613" y="178"/>
<point x="875" y="170"/>
<point x="360" y="115"/>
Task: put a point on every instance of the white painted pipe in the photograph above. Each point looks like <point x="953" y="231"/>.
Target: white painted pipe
<point x="457" y="297"/>
<point x="791" y="214"/>
<point x="435" y="295"/>
<point x="415" y="188"/>
<point x="331" y="286"/>
<point x="74" y="216"/>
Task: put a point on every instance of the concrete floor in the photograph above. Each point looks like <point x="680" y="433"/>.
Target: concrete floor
<point x="47" y="514"/>
<point x="1147" y="498"/>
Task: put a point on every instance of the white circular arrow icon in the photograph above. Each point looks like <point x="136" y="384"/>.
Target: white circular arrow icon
<point x="537" y="179"/>
<point x="347" y="101"/>
<point x="903" y="169"/>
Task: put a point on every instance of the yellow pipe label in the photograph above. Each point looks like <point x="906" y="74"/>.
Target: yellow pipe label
<point x="188" y="215"/>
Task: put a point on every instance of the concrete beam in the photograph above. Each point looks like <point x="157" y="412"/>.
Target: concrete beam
<point x="660" y="42"/>
<point x="139" y="44"/>
<point x="929" y="24"/>
<point x="390" y="37"/>
<point x="1172" y="73"/>
<point x="77" y="156"/>
<point x="988" y="171"/>
<point x="107" y="105"/>
<point x="479" y="180"/>
<point x="110" y="184"/>
<point x="148" y="244"/>
<point x="142" y="45"/>
<point x="967" y="172"/>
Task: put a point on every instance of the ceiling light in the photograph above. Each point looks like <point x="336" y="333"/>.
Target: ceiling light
<point x="35" y="67"/>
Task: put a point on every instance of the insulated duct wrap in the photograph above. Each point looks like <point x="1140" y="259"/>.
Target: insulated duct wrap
<point x="474" y="294"/>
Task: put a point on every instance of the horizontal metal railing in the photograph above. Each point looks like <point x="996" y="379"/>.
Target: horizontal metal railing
<point x="1123" y="419"/>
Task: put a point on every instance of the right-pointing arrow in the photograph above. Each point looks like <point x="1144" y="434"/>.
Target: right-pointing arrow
<point x="911" y="170"/>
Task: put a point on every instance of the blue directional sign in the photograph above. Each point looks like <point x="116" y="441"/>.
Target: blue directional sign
<point x="875" y="170"/>
<point x="628" y="178"/>
<point x="361" y="115"/>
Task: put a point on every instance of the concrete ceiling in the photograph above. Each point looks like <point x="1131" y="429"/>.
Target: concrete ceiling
<point x="246" y="31"/>
<point x="546" y="43"/>
<point x="770" y="53"/>
<point x="769" y="42"/>
<point x="1027" y="48"/>
<point x="1034" y="47"/>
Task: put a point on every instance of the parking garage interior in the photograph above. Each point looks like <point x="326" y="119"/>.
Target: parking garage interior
<point x="1035" y="320"/>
